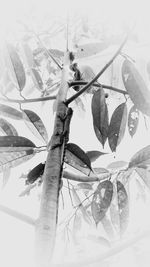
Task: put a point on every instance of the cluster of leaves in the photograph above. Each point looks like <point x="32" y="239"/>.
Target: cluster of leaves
<point x="115" y="130"/>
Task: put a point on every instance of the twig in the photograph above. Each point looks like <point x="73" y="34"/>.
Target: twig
<point x="99" y="85"/>
<point x="17" y="215"/>
<point x="84" y="178"/>
<point x="31" y="100"/>
<point x="69" y="100"/>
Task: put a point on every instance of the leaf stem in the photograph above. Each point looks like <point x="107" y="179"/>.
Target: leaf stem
<point x="31" y="100"/>
<point x="69" y="100"/>
<point x="74" y="83"/>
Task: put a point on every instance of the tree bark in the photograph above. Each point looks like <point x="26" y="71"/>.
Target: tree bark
<point x="47" y="222"/>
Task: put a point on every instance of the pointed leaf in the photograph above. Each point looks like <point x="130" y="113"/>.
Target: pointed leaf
<point x="136" y="87"/>
<point x="101" y="200"/>
<point x="117" y="165"/>
<point x="123" y="206"/>
<point x="77" y="158"/>
<point x="100" y="116"/>
<point x="12" y="159"/>
<point x="10" y="112"/>
<point x="27" y="191"/>
<point x="144" y="175"/>
<point x="133" y="120"/>
<point x="117" y="126"/>
<point x="141" y="158"/>
<point x="35" y="124"/>
<point x="100" y="170"/>
<point x="15" y="144"/>
<point x="87" y="74"/>
<point x="7" y="128"/>
<point x="37" y="79"/>
<point x="94" y="155"/>
<point x="35" y="173"/>
<point x="15" y="67"/>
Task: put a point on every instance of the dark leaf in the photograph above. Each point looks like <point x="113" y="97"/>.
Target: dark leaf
<point x="37" y="79"/>
<point x="117" y="165"/>
<point x="117" y="126"/>
<point x="100" y="116"/>
<point x="10" y="112"/>
<point x="7" y="128"/>
<point x="35" y="173"/>
<point x="35" y="124"/>
<point x="15" y="144"/>
<point x="144" y="175"/>
<point x="142" y="157"/>
<point x="94" y="155"/>
<point x="123" y="206"/>
<point x="15" y="67"/>
<point x="136" y="87"/>
<point x="133" y="120"/>
<point x="77" y="158"/>
<point x="101" y="200"/>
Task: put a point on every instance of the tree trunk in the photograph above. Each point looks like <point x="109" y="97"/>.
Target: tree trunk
<point x="47" y="222"/>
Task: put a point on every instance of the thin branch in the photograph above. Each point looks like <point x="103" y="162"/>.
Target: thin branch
<point x="108" y="254"/>
<point x="17" y="215"/>
<point x="31" y="100"/>
<point x="84" y="178"/>
<point x="68" y="101"/>
<point x="99" y="85"/>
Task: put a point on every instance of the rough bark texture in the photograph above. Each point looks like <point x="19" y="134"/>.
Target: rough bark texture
<point x="47" y="222"/>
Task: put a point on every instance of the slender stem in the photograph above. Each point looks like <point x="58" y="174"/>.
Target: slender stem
<point x="99" y="85"/>
<point x="68" y="101"/>
<point x="31" y="100"/>
<point x="17" y="215"/>
<point x="84" y="178"/>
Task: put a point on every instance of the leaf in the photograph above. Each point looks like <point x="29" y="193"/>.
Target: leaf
<point x="133" y="120"/>
<point x="79" y="204"/>
<point x="15" y="67"/>
<point x="100" y="170"/>
<point x="86" y="186"/>
<point x="28" y="55"/>
<point x="27" y="190"/>
<point x="87" y="74"/>
<point x="15" y="144"/>
<point x="142" y="157"/>
<point x="77" y="158"/>
<point x="123" y="206"/>
<point x="10" y="112"/>
<point x="99" y="239"/>
<point x="117" y="165"/>
<point x="35" y="124"/>
<point x="101" y="200"/>
<point x="117" y="126"/>
<point x="90" y="49"/>
<point x="100" y="116"/>
<point x="6" y="176"/>
<point x="35" y="173"/>
<point x="7" y="128"/>
<point x="94" y="155"/>
<point x="37" y="80"/>
<point x="12" y="159"/>
<point x="136" y="87"/>
<point x="144" y="175"/>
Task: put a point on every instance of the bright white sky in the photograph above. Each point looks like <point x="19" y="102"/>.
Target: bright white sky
<point x="16" y="239"/>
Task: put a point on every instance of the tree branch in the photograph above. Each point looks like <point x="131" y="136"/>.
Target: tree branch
<point x="68" y="101"/>
<point x="17" y="215"/>
<point x="74" y="83"/>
